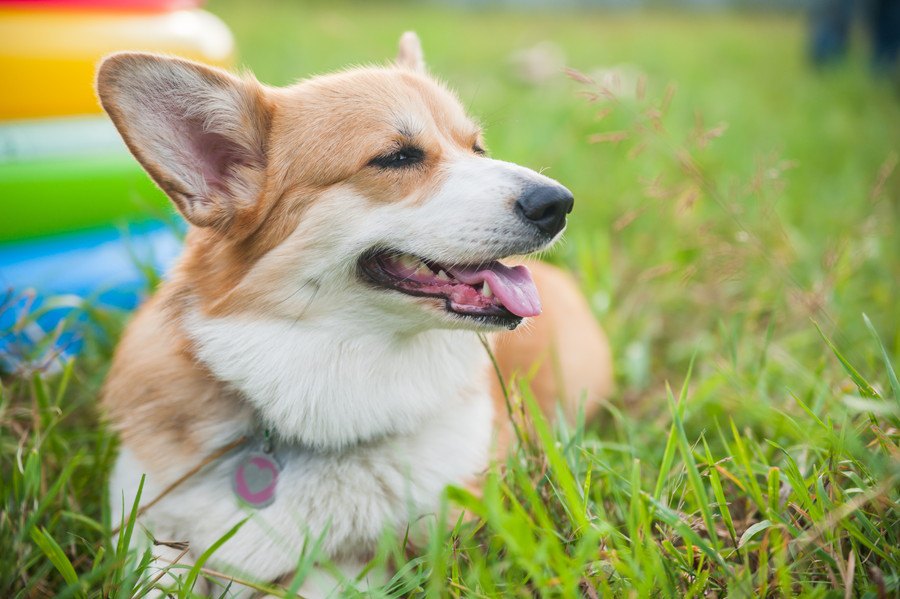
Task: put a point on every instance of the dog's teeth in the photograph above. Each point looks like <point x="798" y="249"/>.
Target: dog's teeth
<point x="442" y="276"/>
<point x="486" y="290"/>
<point x="423" y="270"/>
<point x="407" y="261"/>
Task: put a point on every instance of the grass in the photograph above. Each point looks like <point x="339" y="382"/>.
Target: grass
<point x="736" y="230"/>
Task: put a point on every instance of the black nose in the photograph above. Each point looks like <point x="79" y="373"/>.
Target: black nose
<point x="546" y="207"/>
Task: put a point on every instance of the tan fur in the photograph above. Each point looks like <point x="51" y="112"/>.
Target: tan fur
<point x="563" y="355"/>
<point x="565" y="343"/>
<point x="165" y="405"/>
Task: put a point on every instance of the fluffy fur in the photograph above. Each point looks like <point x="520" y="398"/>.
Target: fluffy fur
<point x="376" y="399"/>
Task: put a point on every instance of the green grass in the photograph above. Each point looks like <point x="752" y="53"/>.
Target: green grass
<point x="740" y="244"/>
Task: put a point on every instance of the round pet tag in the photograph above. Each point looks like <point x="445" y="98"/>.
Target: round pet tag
<point x="255" y="478"/>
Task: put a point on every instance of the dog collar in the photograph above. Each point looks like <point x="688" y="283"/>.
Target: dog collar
<point x="255" y="477"/>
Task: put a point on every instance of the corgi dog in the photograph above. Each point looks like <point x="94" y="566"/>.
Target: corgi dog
<point x="325" y="322"/>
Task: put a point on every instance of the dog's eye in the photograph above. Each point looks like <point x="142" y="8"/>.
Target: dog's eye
<point x="479" y="150"/>
<point x="402" y="158"/>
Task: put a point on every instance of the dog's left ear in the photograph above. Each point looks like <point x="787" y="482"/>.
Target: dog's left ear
<point x="410" y="55"/>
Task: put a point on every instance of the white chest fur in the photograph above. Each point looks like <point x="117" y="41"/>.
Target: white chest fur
<point x="387" y="422"/>
<point x="328" y="384"/>
<point x="348" y="498"/>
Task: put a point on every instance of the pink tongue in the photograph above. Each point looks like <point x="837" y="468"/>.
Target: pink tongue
<point x="513" y="286"/>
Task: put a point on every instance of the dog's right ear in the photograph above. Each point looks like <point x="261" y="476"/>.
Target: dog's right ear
<point x="409" y="54"/>
<point x="200" y="132"/>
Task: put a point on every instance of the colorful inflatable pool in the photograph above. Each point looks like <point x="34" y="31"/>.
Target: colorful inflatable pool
<point x="67" y="183"/>
<point x="49" y="51"/>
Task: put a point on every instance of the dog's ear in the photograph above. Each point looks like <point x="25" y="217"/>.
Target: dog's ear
<point x="410" y="55"/>
<point x="198" y="131"/>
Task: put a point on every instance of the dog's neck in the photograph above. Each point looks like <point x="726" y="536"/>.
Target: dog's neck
<point x="326" y="385"/>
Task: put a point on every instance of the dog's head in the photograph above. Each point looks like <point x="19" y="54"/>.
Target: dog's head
<point x="364" y="192"/>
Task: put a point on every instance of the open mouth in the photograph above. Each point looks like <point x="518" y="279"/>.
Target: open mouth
<point x="489" y="292"/>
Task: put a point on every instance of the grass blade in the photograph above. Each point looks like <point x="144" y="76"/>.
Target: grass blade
<point x="752" y="532"/>
<point x="690" y="464"/>
<point x="57" y="556"/>
<point x="892" y="374"/>
<point x="194" y="573"/>
<point x="573" y="500"/>
<point x="862" y="384"/>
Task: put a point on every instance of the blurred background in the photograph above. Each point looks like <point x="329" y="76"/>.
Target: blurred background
<point x="737" y="218"/>
<point x="733" y="161"/>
